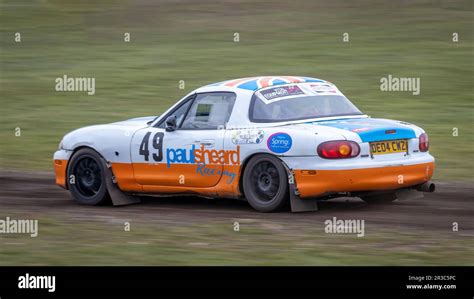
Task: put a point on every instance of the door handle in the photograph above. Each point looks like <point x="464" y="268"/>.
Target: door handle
<point x="205" y="142"/>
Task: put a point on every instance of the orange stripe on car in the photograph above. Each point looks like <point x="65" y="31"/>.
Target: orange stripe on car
<point x="321" y="182"/>
<point x="144" y="177"/>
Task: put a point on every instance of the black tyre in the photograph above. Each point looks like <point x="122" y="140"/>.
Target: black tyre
<point x="265" y="183"/>
<point x="86" y="179"/>
<point x="383" y="198"/>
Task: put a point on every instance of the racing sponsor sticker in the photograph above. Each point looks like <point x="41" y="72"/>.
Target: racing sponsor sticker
<point x="279" y="143"/>
<point x="205" y="160"/>
<point x="280" y="92"/>
<point x="205" y="170"/>
<point x="202" y="155"/>
<point x="248" y="136"/>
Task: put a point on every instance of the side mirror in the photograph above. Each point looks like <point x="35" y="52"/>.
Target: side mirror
<point x="170" y="123"/>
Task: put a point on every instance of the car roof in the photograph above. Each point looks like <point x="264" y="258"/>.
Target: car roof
<point x="256" y="83"/>
<point x="244" y="88"/>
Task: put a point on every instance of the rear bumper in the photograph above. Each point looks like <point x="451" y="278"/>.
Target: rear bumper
<point x="314" y="183"/>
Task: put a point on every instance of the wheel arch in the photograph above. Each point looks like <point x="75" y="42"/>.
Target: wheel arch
<point x="78" y="148"/>
<point x="74" y="151"/>
<point x="116" y="195"/>
<point x="244" y="166"/>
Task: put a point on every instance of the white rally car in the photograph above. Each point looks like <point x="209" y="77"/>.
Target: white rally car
<point x="268" y="140"/>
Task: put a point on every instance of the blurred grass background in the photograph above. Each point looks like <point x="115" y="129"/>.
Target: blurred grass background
<point x="215" y="243"/>
<point x="193" y="41"/>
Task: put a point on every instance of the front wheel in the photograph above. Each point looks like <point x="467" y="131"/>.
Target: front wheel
<point x="86" y="179"/>
<point x="265" y="183"/>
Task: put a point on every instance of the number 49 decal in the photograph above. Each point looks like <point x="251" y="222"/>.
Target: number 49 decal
<point x="157" y="144"/>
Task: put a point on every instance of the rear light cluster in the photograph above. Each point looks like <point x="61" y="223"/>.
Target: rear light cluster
<point x="424" y="143"/>
<point x="338" y="149"/>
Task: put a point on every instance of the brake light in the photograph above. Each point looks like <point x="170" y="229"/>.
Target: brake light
<point x="424" y="143"/>
<point x="338" y="149"/>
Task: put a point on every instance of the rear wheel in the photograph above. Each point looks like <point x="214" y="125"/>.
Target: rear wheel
<point x="265" y="183"/>
<point x="86" y="179"/>
<point x="383" y="198"/>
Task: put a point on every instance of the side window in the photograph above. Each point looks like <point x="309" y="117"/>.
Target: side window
<point x="180" y="112"/>
<point x="209" y="111"/>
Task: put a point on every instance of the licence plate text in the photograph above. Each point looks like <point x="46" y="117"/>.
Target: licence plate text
<point x="388" y="147"/>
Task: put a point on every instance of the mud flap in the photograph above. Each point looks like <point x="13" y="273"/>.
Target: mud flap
<point x="118" y="197"/>
<point x="297" y="204"/>
<point x="408" y="194"/>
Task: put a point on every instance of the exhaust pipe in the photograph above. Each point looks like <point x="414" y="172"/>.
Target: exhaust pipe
<point x="426" y="187"/>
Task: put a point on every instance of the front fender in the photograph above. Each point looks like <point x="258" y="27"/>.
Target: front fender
<point x="111" y="141"/>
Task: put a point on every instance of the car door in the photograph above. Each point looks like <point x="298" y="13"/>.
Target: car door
<point x="192" y="155"/>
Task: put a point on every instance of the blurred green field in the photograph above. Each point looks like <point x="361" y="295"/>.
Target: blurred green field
<point x="193" y="41"/>
<point x="258" y="243"/>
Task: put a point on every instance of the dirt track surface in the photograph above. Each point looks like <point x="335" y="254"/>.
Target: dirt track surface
<point x="36" y="193"/>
